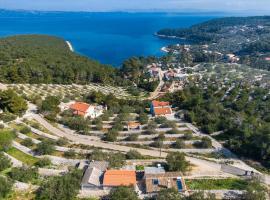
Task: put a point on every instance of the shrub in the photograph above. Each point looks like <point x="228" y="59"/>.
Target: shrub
<point x="70" y="154"/>
<point x="188" y="136"/>
<point x="58" y="188"/>
<point x="7" y="117"/>
<point x="5" y="187"/>
<point x="43" y="162"/>
<point x="123" y="192"/>
<point x="168" y="124"/>
<point x="133" y="155"/>
<point x="176" y="161"/>
<point x="45" y="147"/>
<point x="118" y="126"/>
<point x="161" y="120"/>
<point x="132" y="137"/>
<point x="111" y="136"/>
<point x="179" y="144"/>
<point x="160" y="137"/>
<point x="204" y="144"/>
<point x="157" y="144"/>
<point x="173" y="131"/>
<point x="28" y="142"/>
<point x="4" y="162"/>
<point x="25" y="130"/>
<point x="23" y="174"/>
<point x="62" y="141"/>
<point x="143" y="118"/>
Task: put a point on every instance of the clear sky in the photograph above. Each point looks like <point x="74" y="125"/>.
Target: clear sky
<point x="262" y="6"/>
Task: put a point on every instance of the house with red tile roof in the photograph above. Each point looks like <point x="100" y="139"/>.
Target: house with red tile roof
<point x="160" y="108"/>
<point x="85" y="109"/>
<point x="115" y="178"/>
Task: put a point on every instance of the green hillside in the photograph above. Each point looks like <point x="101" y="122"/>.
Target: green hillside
<point x="46" y="59"/>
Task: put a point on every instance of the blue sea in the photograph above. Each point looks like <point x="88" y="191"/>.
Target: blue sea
<point x="107" y="37"/>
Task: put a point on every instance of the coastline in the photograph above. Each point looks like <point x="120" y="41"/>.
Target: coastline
<point x="70" y="46"/>
<point x="169" y="37"/>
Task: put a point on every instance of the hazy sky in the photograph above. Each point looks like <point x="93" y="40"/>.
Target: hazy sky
<point x="109" y="5"/>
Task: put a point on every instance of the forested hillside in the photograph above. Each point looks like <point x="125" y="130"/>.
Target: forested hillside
<point x="46" y="59"/>
<point x="245" y="37"/>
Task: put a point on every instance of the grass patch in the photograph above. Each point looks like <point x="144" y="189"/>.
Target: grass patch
<point x="27" y="195"/>
<point x="216" y="184"/>
<point x="27" y="159"/>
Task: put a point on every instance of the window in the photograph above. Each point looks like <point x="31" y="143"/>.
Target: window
<point x="155" y="181"/>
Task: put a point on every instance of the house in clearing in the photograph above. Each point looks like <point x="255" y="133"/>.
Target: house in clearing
<point x="160" y="108"/>
<point x="115" y="178"/>
<point x="158" y="181"/>
<point x="86" y="110"/>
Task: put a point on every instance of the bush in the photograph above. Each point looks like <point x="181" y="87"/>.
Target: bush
<point x="204" y="144"/>
<point x="70" y="154"/>
<point x="62" y="141"/>
<point x="160" y="137"/>
<point x="25" y="130"/>
<point x="58" y="188"/>
<point x="188" y="136"/>
<point x="143" y="118"/>
<point x="161" y="120"/>
<point x="5" y="187"/>
<point x="117" y="160"/>
<point x="7" y="117"/>
<point x="23" y="174"/>
<point x="151" y="126"/>
<point x="123" y="192"/>
<point x="173" y="131"/>
<point x="157" y="144"/>
<point x="111" y="136"/>
<point x="168" y="124"/>
<point x="45" y="148"/>
<point x="118" y="126"/>
<point x="132" y="137"/>
<point x="176" y="161"/>
<point x="4" y="162"/>
<point x="133" y="155"/>
<point x="43" y="162"/>
<point x="28" y="142"/>
<point x="6" y="138"/>
<point x="179" y="144"/>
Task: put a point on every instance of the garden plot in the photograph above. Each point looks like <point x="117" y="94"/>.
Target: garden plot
<point x="67" y="91"/>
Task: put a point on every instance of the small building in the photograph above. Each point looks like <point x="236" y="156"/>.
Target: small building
<point x="133" y="126"/>
<point x="156" y="182"/>
<point x="93" y="175"/>
<point x="154" y="170"/>
<point x="115" y="178"/>
<point x="86" y="110"/>
<point x="160" y="108"/>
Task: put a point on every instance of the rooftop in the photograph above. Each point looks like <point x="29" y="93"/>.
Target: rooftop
<point x="80" y="107"/>
<point x="163" y="111"/>
<point x="160" y="103"/>
<point x="119" y="177"/>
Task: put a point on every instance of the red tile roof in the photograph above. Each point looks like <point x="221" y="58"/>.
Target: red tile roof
<point x="119" y="177"/>
<point x="160" y="103"/>
<point x="79" y="108"/>
<point x="163" y="111"/>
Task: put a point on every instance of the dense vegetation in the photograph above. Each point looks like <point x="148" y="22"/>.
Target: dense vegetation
<point x="243" y="115"/>
<point x="58" y="188"/>
<point x="45" y="59"/>
<point x="11" y="102"/>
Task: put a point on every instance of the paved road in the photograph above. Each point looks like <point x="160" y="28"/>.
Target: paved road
<point x="202" y="167"/>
